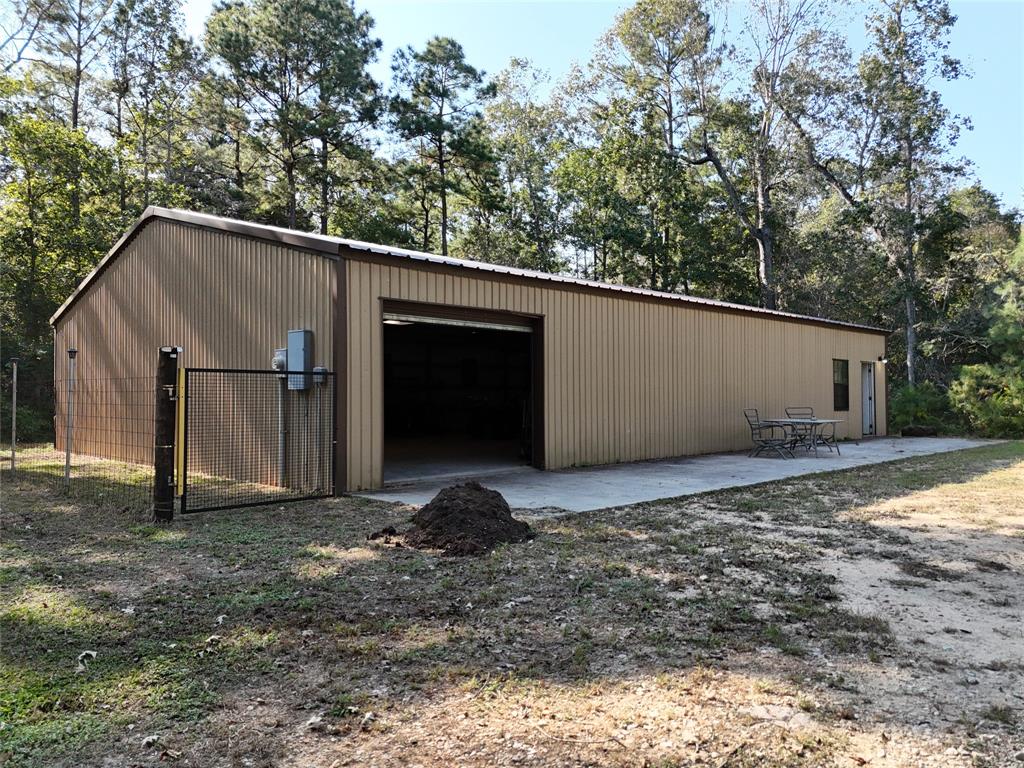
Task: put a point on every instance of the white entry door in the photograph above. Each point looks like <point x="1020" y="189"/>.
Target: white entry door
<point x="867" y="394"/>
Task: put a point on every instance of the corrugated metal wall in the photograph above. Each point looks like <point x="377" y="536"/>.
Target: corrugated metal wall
<point x="624" y="378"/>
<point x="227" y="300"/>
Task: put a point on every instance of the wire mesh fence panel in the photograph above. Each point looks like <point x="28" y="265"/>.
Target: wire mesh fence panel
<point x="34" y="424"/>
<point x="110" y="423"/>
<point x="251" y="438"/>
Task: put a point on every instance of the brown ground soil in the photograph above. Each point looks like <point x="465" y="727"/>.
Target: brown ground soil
<point x="466" y="519"/>
<point x="871" y="617"/>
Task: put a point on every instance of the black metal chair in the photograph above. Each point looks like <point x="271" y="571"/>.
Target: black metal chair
<point x="827" y="437"/>
<point x="802" y="432"/>
<point x="767" y="436"/>
<point x="806" y="436"/>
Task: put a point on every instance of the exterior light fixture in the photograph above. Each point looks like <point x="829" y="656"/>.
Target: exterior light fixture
<point x="883" y="360"/>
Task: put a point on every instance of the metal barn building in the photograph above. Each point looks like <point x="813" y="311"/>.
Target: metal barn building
<point x="442" y="364"/>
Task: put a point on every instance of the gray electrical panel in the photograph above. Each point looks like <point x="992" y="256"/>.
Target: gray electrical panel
<point x="300" y="358"/>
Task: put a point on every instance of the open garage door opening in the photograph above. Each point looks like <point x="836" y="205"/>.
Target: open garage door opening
<point x="458" y="396"/>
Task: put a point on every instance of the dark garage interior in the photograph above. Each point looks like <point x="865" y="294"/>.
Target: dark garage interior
<point x="457" y="398"/>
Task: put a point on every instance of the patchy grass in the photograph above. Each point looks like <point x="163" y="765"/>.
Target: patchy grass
<point x="715" y="629"/>
<point x="999" y="713"/>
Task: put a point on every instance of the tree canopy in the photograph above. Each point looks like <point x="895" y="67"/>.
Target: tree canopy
<point x="766" y="164"/>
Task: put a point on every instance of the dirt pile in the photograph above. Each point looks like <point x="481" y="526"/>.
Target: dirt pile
<point x="466" y="519"/>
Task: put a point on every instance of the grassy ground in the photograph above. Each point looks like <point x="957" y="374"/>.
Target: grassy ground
<point x="872" y="616"/>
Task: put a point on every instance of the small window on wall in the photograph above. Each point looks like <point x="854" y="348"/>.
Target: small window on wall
<point x="841" y="385"/>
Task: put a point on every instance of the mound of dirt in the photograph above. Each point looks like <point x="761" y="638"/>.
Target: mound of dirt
<point x="466" y="519"/>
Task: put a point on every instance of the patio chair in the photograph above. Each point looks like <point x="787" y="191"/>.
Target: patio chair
<point x="767" y="436"/>
<point x="826" y="434"/>
<point x="827" y="437"/>
<point x="802" y="432"/>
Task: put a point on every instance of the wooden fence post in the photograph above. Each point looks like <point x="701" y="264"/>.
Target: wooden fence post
<point x="14" y="410"/>
<point x="69" y="420"/>
<point x="163" y="433"/>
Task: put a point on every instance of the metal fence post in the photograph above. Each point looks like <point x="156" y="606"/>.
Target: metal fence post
<point x="319" y="377"/>
<point x="14" y="409"/>
<point x="280" y="363"/>
<point x="69" y="413"/>
<point x="180" y="441"/>
<point x="163" y="435"/>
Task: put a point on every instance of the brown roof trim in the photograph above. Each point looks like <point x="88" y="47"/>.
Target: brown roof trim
<point x="332" y="247"/>
<point x="308" y="241"/>
<point x="441" y="264"/>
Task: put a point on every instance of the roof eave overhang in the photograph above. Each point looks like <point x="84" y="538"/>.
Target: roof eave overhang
<point x="631" y="291"/>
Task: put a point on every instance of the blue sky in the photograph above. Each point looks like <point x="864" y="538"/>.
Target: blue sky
<point x="988" y="37"/>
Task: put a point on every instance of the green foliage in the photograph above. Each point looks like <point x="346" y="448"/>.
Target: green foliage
<point x="880" y="136"/>
<point x="514" y="216"/>
<point x="35" y="423"/>
<point x="436" y="110"/>
<point x="991" y="399"/>
<point x="648" y="74"/>
<point x="670" y="160"/>
<point x="990" y="396"/>
<point x="300" y="71"/>
<point x="966" y="257"/>
<point x="56" y="221"/>
<point x="924" y="405"/>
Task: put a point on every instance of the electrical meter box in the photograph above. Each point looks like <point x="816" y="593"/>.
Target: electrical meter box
<point x="300" y="358"/>
<point x="279" y="362"/>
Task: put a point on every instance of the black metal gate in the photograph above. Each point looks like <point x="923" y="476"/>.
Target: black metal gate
<point x="250" y="437"/>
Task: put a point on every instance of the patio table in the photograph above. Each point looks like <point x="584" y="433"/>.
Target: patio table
<point x="815" y="425"/>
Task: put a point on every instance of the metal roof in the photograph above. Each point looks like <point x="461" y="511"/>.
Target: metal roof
<point x="330" y="247"/>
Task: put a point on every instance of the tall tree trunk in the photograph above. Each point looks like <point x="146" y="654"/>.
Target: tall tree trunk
<point x="670" y="146"/>
<point x="30" y="205"/>
<point x="909" y="267"/>
<point x="76" y="106"/>
<point x="289" y="174"/>
<point x="765" y="235"/>
<point x="425" y="207"/>
<point x="765" y="278"/>
<point x="145" y="160"/>
<point x="237" y="139"/>
<point x="169" y="174"/>
<point x="760" y="226"/>
<point x="911" y="308"/>
<point x="122" y="186"/>
<point x="325" y="187"/>
<point x="76" y="93"/>
<point x="910" y="305"/>
<point x="444" y="198"/>
<point x="239" y="175"/>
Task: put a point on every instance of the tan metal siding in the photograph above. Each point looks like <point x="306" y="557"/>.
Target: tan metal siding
<point x="228" y="300"/>
<point x="625" y="378"/>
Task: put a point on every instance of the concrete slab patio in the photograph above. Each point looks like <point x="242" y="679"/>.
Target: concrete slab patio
<point x="613" y="485"/>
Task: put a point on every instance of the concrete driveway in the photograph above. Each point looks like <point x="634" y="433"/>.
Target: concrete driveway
<point x="613" y="485"/>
